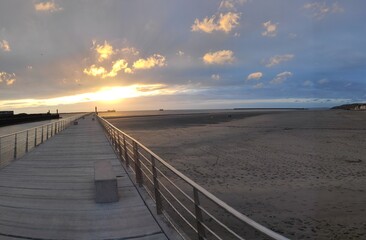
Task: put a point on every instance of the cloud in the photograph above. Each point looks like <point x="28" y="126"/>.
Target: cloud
<point x="117" y="66"/>
<point x="323" y="81"/>
<point x="47" y="7"/>
<point x="255" y="75"/>
<point x="281" y="77"/>
<point x="230" y="4"/>
<point x="155" y="60"/>
<point x="180" y="53"/>
<point x="270" y="29"/>
<point x="95" y="71"/>
<point x="125" y="59"/>
<point x="104" y="94"/>
<point x="258" y="85"/>
<point x="219" y="57"/>
<point x="308" y="83"/>
<point x="215" y="76"/>
<point x="319" y="10"/>
<point x="4" y="45"/>
<point x="8" y="78"/>
<point x="129" y="70"/>
<point x="129" y="51"/>
<point x="225" y="23"/>
<point x="104" y="51"/>
<point x="279" y="59"/>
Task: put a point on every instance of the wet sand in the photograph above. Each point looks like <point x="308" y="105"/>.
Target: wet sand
<point x="301" y="173"/>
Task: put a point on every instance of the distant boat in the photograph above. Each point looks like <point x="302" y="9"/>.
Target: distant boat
<point x="161" y="109"/>
<point x="111" y="110"/>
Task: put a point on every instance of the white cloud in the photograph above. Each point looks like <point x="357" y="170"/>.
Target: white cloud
<point x="155" y="60"/>
<point x="319" y="10"/>
<point x="8" y="78"/>
<point x="230" y="4"/>
<point x="281" y="77"/>
<point x="219" y="57"/>
<point x="255" y="76"/>
<point x="270" y="29"/>
<point x="225" y="23"/>
<point x="279" y="59"/>
<point x="308" y="83"/>
<point x="4" y="45"/>
<point x="180" y="53"/>
<point x="49" y="6"/>
<point x="258" y="85"/>
<point x="215" y="76"/>
<point x="323" y="81"/>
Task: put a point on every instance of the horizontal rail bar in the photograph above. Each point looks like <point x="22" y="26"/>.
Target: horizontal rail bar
<point x="200" y="189"/>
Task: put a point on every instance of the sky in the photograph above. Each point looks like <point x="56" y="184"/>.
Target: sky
<point x="191" y="54"/>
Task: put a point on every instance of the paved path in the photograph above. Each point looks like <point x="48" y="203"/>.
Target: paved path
<point x="49" y="193"/>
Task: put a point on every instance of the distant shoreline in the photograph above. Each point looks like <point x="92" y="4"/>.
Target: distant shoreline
<point x="106" y="115"/>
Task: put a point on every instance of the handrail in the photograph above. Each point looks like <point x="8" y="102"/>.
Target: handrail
<point x="20" y="142"/>
<point x="112" y="130"/>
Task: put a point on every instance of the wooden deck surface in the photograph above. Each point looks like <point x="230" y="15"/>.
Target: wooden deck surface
<point x="49" y="193"/>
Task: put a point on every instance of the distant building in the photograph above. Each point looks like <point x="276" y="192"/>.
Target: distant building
<point x="6" y="113"/>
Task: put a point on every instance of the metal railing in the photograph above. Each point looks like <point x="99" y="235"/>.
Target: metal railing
<point x="191" y="209"/>
<point x="15" y="145"/>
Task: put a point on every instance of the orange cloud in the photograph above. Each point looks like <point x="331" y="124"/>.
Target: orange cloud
<point x="255" y="75"/>
<point x="219" y="57"/>
<point x="4" y="45"/>
<point x="225" y="23"/>
<point x="47" y="7"/>
<point x="8" y="78"/>
<point x="155" y="60"/>
<point x="95" y="71"/>
<point x="104" y="51"/>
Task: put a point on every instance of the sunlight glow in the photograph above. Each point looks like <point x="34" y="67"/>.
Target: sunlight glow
<point x="104" y="94"/>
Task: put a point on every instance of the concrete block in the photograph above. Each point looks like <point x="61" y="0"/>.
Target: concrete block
<point x="106" y="189"/>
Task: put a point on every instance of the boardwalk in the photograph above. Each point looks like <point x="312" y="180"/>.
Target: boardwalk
<point x="49" y="193"/>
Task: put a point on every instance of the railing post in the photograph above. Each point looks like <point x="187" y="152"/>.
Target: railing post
<point x="26" y="142"/>
<point x="114" y="138"/>
<point x="15" y="146"/>
<point x="198" y="214"/>
<point x="137" y="164"/>
<point x="48" y="127"/>
<point x="125" y="151"/>
<point x="42" y="134"/>
<point x="35" y="137"/>
<point x="159" y="205"/>
<point x="51" y="130"/>
<point x="119" y="146"/>
<point x="0" y="151"/>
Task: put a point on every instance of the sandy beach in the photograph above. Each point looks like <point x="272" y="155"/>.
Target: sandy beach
<point x="301" y="173"/>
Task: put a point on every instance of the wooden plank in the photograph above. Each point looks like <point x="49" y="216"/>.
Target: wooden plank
<point x="49" y="193"/>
